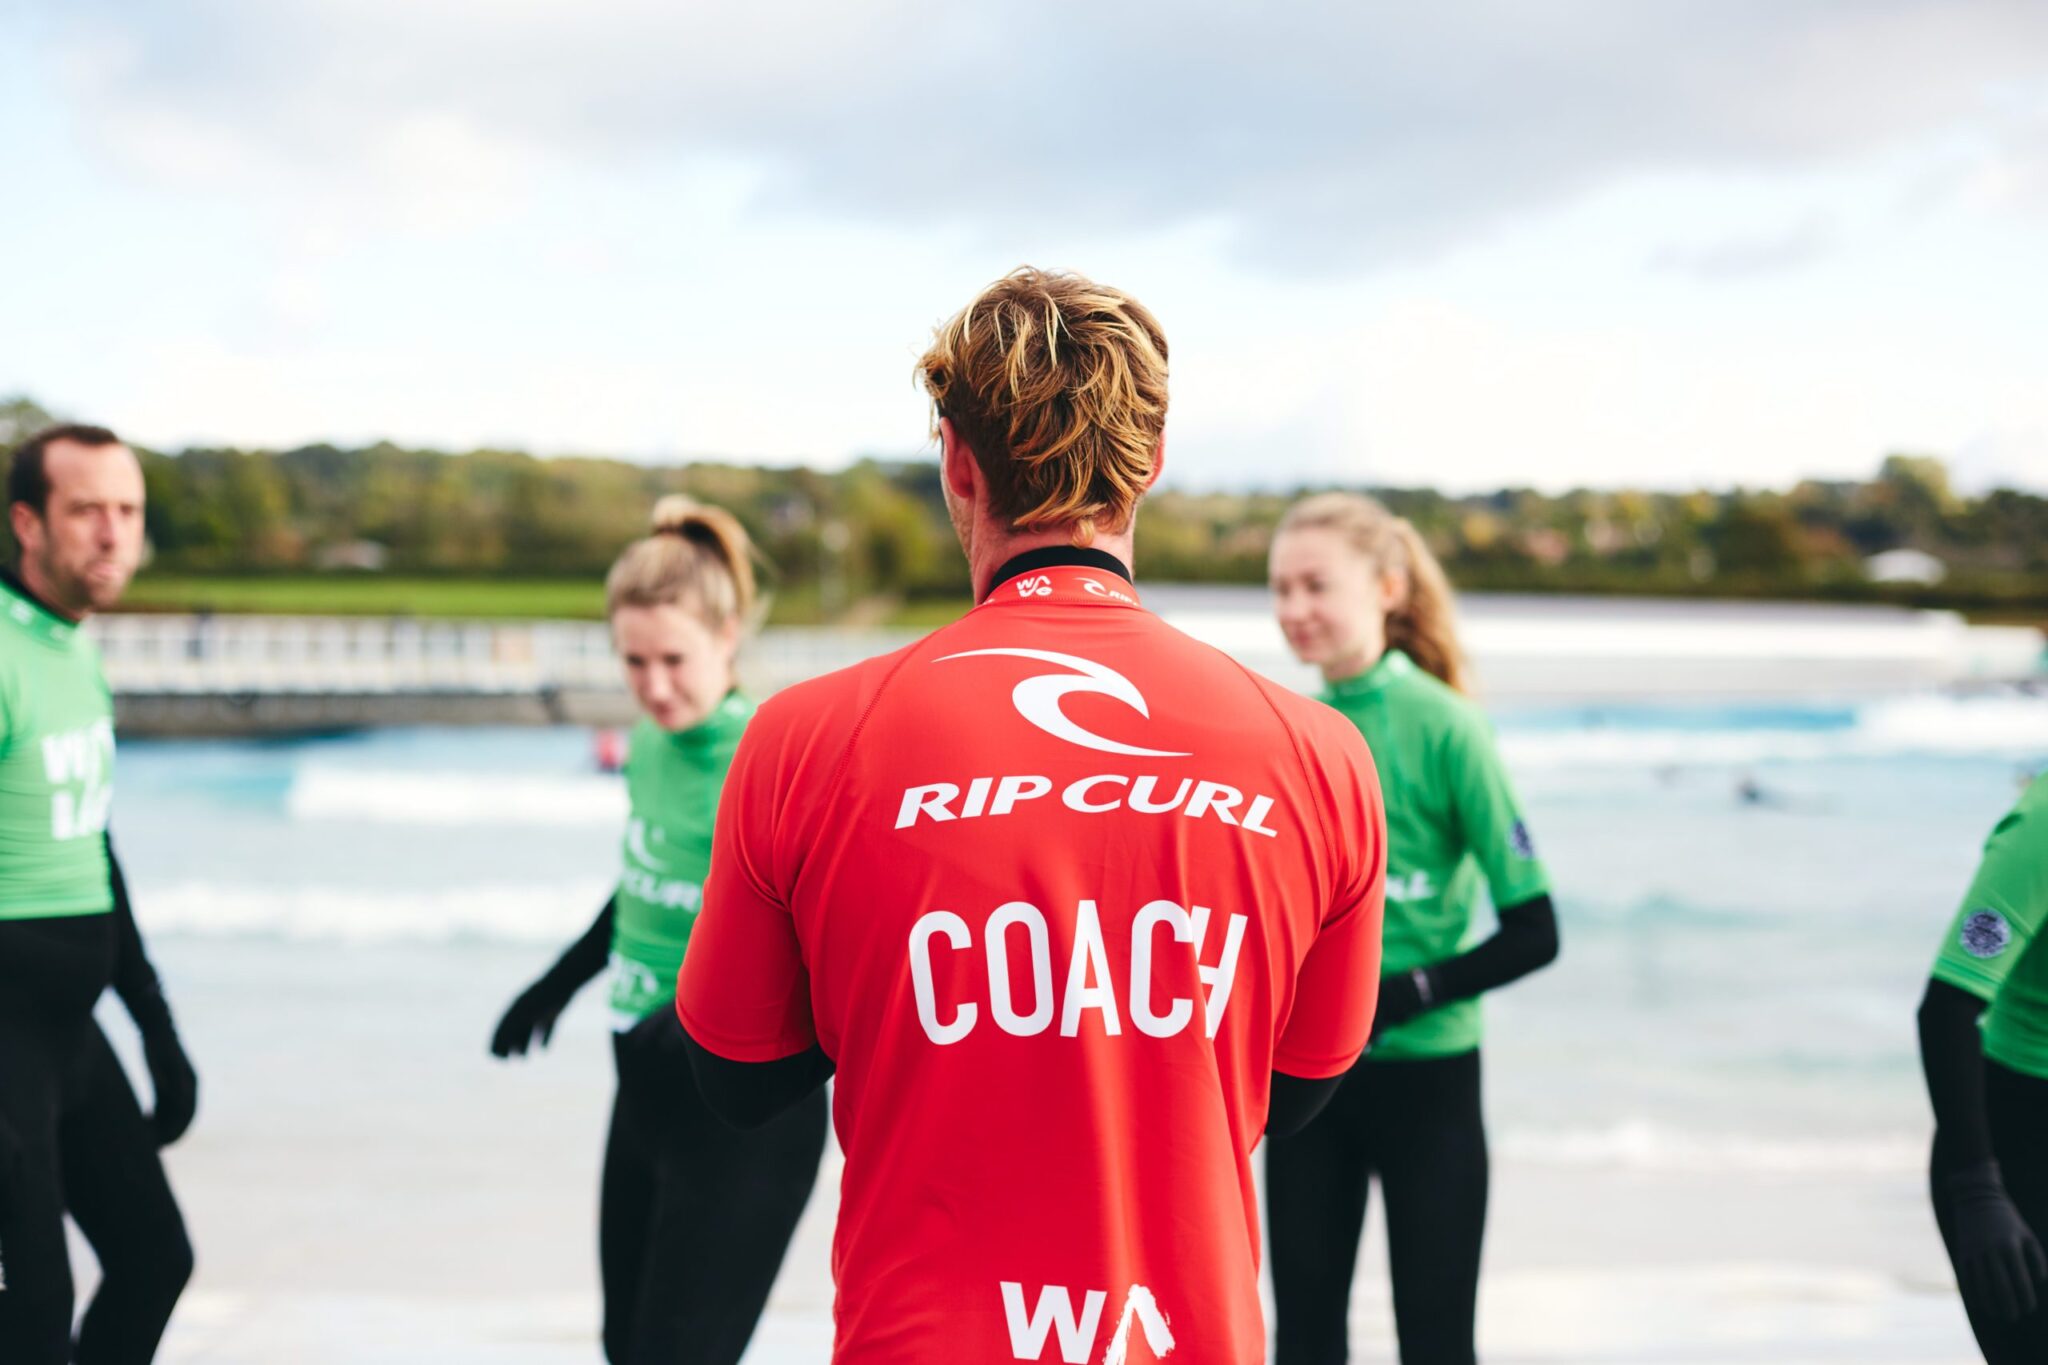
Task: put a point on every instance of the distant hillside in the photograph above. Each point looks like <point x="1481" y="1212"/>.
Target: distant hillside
<point x="879" y="528"/>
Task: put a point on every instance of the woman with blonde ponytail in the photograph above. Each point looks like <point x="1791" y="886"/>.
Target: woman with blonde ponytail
<point x="694" y="1217"/>
<point x="1359" y="595"/>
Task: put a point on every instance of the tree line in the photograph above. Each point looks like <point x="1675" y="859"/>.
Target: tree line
<point x="879" y="529"/>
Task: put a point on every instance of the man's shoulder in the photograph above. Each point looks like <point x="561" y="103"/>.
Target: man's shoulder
<point x="828" y="703"/>
<point x="1316" y="724"/>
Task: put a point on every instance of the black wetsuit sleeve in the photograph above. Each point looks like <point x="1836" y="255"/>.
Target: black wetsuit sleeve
<point x="135" y="979"/>
<point x="748" y="1094"/>
<point x="1296" y="1101"/>
<point x="1952" y="1057"/>
<point x="530" y="1019"/>
<point x="587" y="956"/>
<point x="1525" y="942"/>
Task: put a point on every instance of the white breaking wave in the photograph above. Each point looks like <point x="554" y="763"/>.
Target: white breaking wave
<point x="397" y="796"/>
<point x="2016" y="726"/>
<point x="522" y="913"/>
<point x="1638" y="1145"/>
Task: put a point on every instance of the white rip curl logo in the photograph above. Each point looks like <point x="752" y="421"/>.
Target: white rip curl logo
<point x="1038" y="698"/>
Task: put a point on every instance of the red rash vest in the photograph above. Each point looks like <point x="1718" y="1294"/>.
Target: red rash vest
<point x="1058" y="888"/>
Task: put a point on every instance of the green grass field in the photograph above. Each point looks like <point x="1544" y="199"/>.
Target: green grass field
<point x="367" y="595"/>
<point x="455" y="598"/>
<point x="583" y="599"/>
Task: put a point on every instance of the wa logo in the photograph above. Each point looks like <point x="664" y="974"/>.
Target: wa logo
<point x="79" y="766"/>
<point x="1038" y="698"/>
<point x="1054" y="1315"/>
<point x="1037" y="585"/>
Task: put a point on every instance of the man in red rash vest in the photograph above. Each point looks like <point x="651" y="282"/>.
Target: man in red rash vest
<point x="1075" y="906"/>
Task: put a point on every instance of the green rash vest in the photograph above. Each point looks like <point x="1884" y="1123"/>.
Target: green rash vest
<point x="672" y="783"/>
<point x="1452" y="819"/>
<point x="1994" y="948"/>
<point x="56" y="765"/>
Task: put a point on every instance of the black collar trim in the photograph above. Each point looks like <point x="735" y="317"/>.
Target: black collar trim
<point x="21" y="590"/>
<point x="1055" y="556"/>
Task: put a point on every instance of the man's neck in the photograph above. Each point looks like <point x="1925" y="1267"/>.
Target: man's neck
<point x="30" y="584"/>
<point x="994" y="548"/>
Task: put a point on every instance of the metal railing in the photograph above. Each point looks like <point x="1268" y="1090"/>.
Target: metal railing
<point x="307" y="655"/>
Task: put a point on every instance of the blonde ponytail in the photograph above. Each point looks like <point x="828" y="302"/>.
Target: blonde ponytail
<point x="1425" y="624"/>
<point x="697" y="555"/>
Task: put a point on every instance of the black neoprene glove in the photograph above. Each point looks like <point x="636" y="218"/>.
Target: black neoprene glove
<point x="171" y="1077"/>
<point x="531" y="1018"/>
<point x="1998" y="1259"/>
<point x="1403" y="996"/>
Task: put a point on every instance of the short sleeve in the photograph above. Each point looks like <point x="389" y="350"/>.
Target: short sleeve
<point x="2007" y="901"/>
<point x="1337" y="987"/>
<point x="1489" y="817"/>
<point x="744" y="992"/>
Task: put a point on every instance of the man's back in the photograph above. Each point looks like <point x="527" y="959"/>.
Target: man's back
<point x="1058" y="889"/>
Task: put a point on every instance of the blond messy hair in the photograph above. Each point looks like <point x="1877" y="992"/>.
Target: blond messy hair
<point x="1424" y="624"/>
<point x="696" y="555"/>
<point x="1058" y="386"/>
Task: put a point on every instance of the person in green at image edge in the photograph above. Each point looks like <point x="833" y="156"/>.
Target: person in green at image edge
<point x="73" y="1139"/>
<point x="694" y="1216"/>
<point x="1988" y="1079"/>
<point x="1359" y="596"/>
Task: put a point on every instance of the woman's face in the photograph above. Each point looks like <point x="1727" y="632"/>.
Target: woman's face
<point x="678" y="667"/>
<point x="1330" y="600"/>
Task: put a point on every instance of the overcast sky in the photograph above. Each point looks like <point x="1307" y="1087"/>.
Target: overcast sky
<point x="1466" y="244"/>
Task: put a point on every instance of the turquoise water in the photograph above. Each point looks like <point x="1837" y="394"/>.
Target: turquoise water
<point x="1738" y="977"/>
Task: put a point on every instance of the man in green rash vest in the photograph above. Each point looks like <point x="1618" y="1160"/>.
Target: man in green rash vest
<point x="73" y="1139"/>
<point x="1984" y="1046"/>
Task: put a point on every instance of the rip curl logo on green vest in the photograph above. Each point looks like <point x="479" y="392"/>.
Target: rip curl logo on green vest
<point x="79" y="766"/>
<point x="648" y="874"/>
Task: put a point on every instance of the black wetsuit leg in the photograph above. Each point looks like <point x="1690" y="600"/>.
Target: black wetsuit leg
<point x="1433" y="1175"/>
<point x="85" y="1145"/>
<point x="121" y="1200"/>
<point x="625" y="1221"/>
<point x="1417" y="1126"/>
<point x="35" y="1263"/>
<point x="696" y="1215"/>
<point x="1316" y="1184"/>
<point x="2016" y="1108"/>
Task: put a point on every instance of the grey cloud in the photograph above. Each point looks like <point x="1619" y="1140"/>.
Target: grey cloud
<point x="1322" y="137"/>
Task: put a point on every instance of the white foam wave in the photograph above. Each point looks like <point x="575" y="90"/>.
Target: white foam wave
<point x="522" y="913"/>
<point x="1640" y="1145"/>
<point x="396" y="796"/>
<point x="2015" y="726"/>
